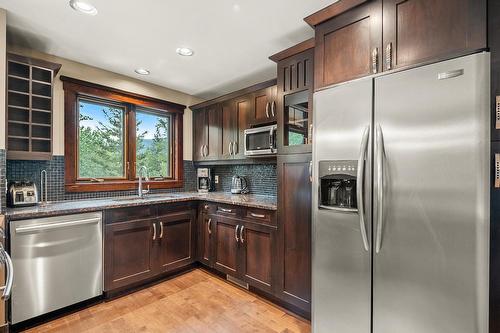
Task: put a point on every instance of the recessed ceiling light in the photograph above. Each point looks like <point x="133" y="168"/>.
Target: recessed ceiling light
<point x="142" y="71"/>
<point x="83" y="7"/>
<point x="184" y="51"/>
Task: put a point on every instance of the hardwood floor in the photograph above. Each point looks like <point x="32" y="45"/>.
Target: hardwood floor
<point x="194" y="302"/>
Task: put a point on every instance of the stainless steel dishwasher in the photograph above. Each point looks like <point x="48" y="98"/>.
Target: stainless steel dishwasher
<point x="57" y="263"/>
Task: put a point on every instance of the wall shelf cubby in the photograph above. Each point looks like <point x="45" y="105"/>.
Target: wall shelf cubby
<point x="29" y="107"/>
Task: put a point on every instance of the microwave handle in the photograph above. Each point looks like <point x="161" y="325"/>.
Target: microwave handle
<point x="271" y="137"/>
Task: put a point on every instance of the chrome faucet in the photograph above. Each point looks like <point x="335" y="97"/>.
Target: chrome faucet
<point x="140" y="191"/>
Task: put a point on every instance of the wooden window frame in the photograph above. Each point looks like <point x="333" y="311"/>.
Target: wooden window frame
<point x="73" y="89"/>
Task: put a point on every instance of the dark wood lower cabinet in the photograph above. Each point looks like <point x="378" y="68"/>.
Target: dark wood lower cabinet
<point x="257" y="248"/>
<point x="226" y="245"/>
<point x="128" y="249"/>
<point x="294" y="229"/>
<point x="175" y="241"/>
<point x="205" y="234"/>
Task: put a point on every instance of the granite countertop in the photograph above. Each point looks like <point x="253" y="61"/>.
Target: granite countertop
<point x="80" y="206"/>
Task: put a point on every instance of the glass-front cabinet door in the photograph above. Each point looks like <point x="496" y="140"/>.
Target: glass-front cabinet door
<point x="294" y="101"/>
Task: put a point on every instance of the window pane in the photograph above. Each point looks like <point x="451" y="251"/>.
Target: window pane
<point x="101" y="140"/>
<point x="153" y="143"/>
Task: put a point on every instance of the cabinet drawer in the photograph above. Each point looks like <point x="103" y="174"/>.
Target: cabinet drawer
<point x="129" y="214"/>
<point x="208" y="208"/>
<point x="260" y="215"/>
<point x="227" y="210"/>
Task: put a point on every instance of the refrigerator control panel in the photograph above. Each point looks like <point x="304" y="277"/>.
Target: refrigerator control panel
<point x="337" y="185"/>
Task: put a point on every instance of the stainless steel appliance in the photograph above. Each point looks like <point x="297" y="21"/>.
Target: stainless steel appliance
<point x="6" y="277"/>
<point x="260" y="140"/>
<point x="57" y="263"/>
<point x="239" y="185"/>
<point x="21" y="194"/>
<point x="413" y="147"/>
<point x="204" y="180"/>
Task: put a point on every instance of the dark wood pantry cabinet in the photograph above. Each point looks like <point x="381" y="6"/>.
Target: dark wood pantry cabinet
<point x="294" y="230"/>
<point x="355" y="38"/>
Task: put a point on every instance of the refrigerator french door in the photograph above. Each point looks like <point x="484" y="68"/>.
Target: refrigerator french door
<point x="422" y="265"/>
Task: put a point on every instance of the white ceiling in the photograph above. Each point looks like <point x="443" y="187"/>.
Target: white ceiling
<point x="232" y="39"/>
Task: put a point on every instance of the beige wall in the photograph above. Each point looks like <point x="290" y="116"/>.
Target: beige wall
<point x="3" y="45"/>
<point x="103" y="77"/>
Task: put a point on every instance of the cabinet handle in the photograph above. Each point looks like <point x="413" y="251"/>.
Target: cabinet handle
<point x="206" y="150"/>
<point x="273" y="108"/>
<point x="202" y="150"/>
<point x="388" y="56"/>
<point x="235" y="148"/>
<point x="209" y="226"/>
<point x="375" y="60"/>
<point x="311" y="133"/>
<point x="154" y="230"/>
<point x="260" y="216"/>
<point x="225" y="210"/>
<point x="230" y="148"/>
<point x="311" y="171"/>
<point x="161" y="230"/>
<point x="267" y="109"/>
<point x="241" y="234"/>
<point x="236" y="233"/>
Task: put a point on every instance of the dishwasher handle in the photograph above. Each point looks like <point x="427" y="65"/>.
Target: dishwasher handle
<point x="7" y="289"/>
<point x="52" y="226"/>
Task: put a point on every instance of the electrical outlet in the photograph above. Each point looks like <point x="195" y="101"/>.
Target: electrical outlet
<point x="216" y="179"/>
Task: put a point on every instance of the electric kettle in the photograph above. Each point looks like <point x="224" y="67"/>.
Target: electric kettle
<point x="239" y="185"/>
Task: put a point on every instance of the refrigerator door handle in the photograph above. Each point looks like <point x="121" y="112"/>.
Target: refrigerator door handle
<point x="359" y="188"/>
<point x="380" y="188"/>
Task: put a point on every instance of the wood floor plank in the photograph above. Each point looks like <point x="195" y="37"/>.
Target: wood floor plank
<point x="196" y="302"/>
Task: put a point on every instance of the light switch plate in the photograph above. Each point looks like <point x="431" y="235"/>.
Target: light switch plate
<point x="216" y="179"/>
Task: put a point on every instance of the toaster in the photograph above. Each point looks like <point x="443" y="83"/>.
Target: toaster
<point x="21" y="194"/>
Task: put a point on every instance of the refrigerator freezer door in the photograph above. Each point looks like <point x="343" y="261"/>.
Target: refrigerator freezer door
<point x="431" y="273"/>
<point x="341" y="264"/>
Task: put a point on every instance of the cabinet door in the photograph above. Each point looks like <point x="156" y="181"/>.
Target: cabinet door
<point x="174" y="241"/>
<point x="424" y="30"/>
<point x="264" y="106"/>
<point x="243" y="106"/>
<point x="199" y="134"/>
<point x="294" y="103"/>
<point x="205" y="243"/>
<point x="294" y="227"/>
<point x="345" y="45"/>
<point x="257" y="247"/>
<point x="213" y="132"/>
<point x="128" y="256"/>
<point x="226" y="246"/>
<point x="228" y="129"/>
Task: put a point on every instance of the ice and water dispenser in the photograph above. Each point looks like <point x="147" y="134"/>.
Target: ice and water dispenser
<point x="337" y="185"/>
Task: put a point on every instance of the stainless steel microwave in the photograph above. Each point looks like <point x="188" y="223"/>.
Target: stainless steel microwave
<point x="260" y="141"/>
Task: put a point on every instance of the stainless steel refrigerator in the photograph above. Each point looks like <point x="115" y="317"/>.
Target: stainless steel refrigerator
<point x="401" y="201"/>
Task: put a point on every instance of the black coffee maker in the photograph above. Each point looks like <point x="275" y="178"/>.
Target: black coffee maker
<point x="204" y="180"/>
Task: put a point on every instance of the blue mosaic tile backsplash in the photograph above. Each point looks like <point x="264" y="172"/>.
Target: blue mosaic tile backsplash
<point x="261" y="178"/>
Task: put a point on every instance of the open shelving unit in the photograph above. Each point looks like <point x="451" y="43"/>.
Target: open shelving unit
<point x="29" y="107"/>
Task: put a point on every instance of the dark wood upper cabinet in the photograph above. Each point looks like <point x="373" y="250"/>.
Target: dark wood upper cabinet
<point x="355" y="38"/>
<point x="264" y="102"/>
<point x="206" y="133"/>
<point x="235" y="114"/>
<point x="294" y="230"/>
<point x="128" y="253"/>
<point x="175" y="240"/>
<point x="417" y="31"/>
<point x="349" y="45"/>
<point x="294" y="100"/>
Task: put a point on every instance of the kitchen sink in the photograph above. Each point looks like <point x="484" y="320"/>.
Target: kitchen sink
<point x="146" y="197"/>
